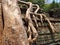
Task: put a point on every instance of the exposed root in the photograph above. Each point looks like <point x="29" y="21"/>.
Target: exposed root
<point x="50" y="25"/>
<point x="35" y="34"/>
<point x="29" y="33"/>
<point x="37" y="8"/>
<point x="34" y="15"/>
<point x="31" y="29"/>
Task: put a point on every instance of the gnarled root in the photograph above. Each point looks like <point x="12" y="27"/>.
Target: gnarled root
<point x="34" y="32"/>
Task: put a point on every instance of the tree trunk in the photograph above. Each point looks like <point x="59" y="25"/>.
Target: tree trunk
<point x="1" y="24"/>
<point x="14" y="32"/>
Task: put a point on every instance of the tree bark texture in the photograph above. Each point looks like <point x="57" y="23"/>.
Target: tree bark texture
<point x="14" y="32"/>
<point x="1" y="24"/>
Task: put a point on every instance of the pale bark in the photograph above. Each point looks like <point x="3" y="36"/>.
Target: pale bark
<point x="30" y="24"/>
<point x="14" y="32"/>
<point x="47" y="19"/>
<point x="1" y="25"/>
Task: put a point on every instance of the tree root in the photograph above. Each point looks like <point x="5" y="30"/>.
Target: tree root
<point x="35" y="34"/>
<point x="51" y="26"/>
<point x="30" y="22"/>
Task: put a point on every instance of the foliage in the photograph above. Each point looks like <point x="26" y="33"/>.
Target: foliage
<point x="39" y="2"/>
<point x="53" y="5"/>
<point x="44" y="6"/>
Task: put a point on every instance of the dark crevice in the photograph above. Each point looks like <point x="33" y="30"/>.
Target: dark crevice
<point x="2" y="16"/>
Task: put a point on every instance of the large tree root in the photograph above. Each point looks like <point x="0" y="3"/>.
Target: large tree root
<point x="14" y="32"/>
<point x="30" y="24"/>
<point x="41" y="17"/>
<point x="52" y="29"/>
<point x="50" y="25"/>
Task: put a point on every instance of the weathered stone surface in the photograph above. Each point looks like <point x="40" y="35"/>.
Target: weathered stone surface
<point x="55" y="13"/>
